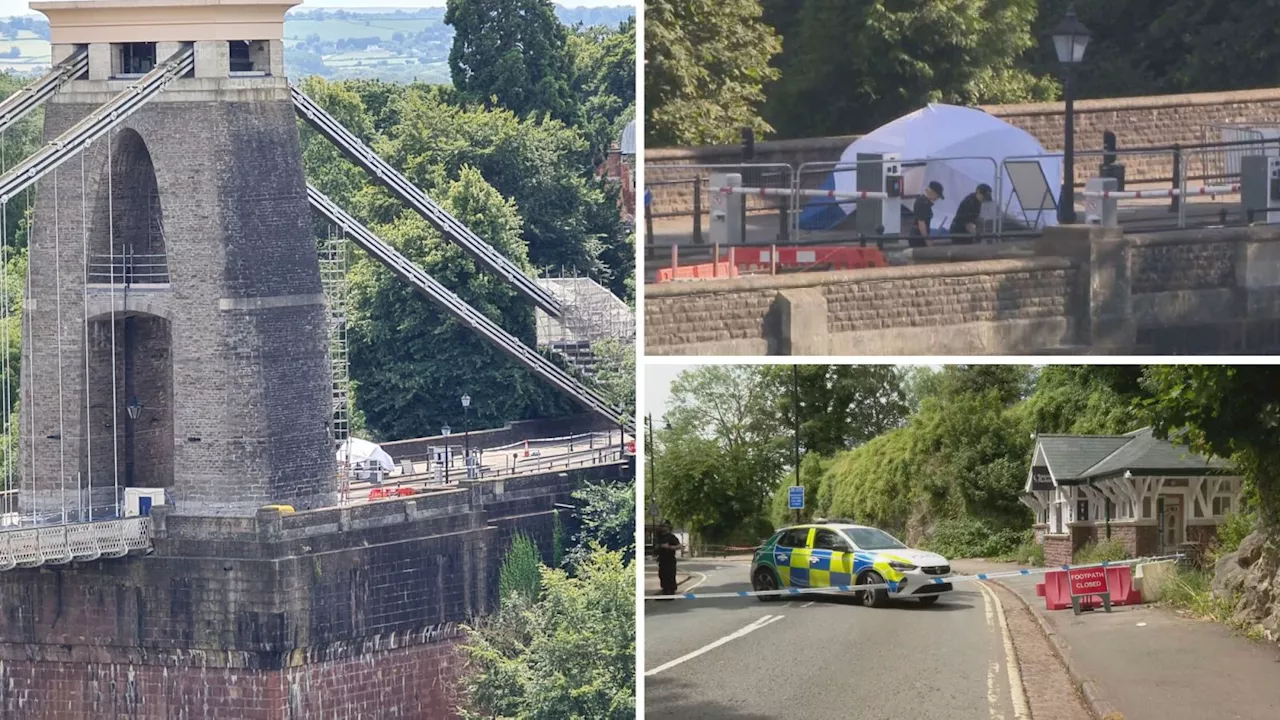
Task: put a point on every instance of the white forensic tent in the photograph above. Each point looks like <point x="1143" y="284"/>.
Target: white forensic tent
<point x="950" y="131"/>
<point x="364" y="455"/>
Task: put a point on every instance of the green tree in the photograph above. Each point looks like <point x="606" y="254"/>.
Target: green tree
<point x="404" y="350"/>
<point x="521" y="572"/>
<point x="604" y="70"/>
<point x="706" y="64"/>
<point x="570" y="654"/>
<point x="1085" y="400"/>
<point x="1227" y="411"/>
<point x="854" y="66"/>
<point x="616" y="373"/>
<point x="570" y="218"/>
<point x="607" y="519"/>
<point x="512" y="54"/>
<point x="841" y="406"/>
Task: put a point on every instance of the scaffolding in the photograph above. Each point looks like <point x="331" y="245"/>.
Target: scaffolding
<point x="590" y="314"/>
<point x="333" y="276"/>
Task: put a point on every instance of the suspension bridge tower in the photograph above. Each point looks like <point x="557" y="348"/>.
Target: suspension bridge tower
<point x="175" y="333"/>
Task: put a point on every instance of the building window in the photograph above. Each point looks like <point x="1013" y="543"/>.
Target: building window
<point x="1222" y="505"/>
<point x="1082" y="510"/>
<point x="1146" y="507"/>
<point x="136" y="58"/>
<point x="249" y="57"/>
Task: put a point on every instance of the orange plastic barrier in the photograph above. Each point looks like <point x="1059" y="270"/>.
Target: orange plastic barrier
<point x="705" y="271"/>
<point x="1056" y="589"/>
<point x="809" y="258"/>
<point x="384" y="493"/>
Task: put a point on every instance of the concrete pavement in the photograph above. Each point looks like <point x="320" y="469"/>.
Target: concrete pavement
<point x="1149" y="663"/>
<point x="826" y="656"/>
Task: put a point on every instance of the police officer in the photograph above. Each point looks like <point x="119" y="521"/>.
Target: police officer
<point x="665" y="545"/>
<point x="922" y="213"/>
<point x="965" y="228"/>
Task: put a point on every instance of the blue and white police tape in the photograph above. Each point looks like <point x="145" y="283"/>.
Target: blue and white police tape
<point x="893" y="586"/>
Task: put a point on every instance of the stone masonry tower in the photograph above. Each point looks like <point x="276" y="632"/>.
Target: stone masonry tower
<point x="175" y="332"/>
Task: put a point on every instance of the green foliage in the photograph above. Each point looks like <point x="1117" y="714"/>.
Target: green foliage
<point x="1234" y="529"/>
<point x="1029" y="552"/>
<point x="1100" y="551"/>
<point x="841" y="406"/>
<point x="616" y="373"/>
<point x="570" y="654"/>
<point x="850" y="67"/>
<point x="1085" y="399"/>
<point x="604" y="71"/>
<point x="706" y="67"/>
<point x="1225" y="411"/>
<point x="557" y="540"/>
<point x="512" y="54"/>
<point x="520" y="573"/>
<point x="607" y="519"/>
<point x="973" y="538"/>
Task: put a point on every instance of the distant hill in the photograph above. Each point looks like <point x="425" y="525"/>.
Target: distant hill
<point x="392" y="44"/>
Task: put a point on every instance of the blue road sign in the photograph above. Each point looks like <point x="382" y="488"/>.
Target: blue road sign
<point x="795" y="497"/>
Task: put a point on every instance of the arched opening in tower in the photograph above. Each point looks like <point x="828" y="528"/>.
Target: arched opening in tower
<point x="130" y="416"/>
<point x="128" y="238"/>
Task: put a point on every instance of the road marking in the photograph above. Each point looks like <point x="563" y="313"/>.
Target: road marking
<point x="766" y="620"/>
<point x="701" y="575"/>
<point x="808" y="604"/>
<point x="1016" y="692"/>
<point x="993" y="695"/>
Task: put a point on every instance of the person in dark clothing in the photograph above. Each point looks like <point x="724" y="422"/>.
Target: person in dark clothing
<point x="922" y="214"/>
<point x="665" y="545"/>
<point x="966" y="228"/>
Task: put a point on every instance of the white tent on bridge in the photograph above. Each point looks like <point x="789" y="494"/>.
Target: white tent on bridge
<point x="364" y="455"/>
<point x="959" y="147"/>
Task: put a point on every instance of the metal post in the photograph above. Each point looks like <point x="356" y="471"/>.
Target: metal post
<point x="795" y="414"/>
<point x="1067" y="199"/>
<point x="697" y="211"/>
<point x="1177" y="175"/>
<point x="749" y="178"/>
<point x="675" y="259"/>
<point x="773" y="259"/>
<point x="715" y="260"/>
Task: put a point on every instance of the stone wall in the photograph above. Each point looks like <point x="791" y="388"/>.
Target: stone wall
<point x="512" y="432"/>
<point x="1000" y="306"/>
<point x="1057" y="549"/>
<point x="331" y="612"/>
<point x="1075" y="290"/>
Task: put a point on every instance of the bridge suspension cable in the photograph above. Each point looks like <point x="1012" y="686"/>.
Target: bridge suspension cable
<point x="408" y="271"/>
<point x="17" y="105"/>
<point x="97" y="123"/>
<point x="452" y="229"/>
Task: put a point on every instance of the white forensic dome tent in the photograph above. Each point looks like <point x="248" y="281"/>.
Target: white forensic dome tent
<point x="364" y="455"/>
<point x="950" y="131"/>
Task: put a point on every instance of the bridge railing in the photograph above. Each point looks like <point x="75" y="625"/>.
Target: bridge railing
<point x="27" y="547"/>
<point x="128" y="270"/>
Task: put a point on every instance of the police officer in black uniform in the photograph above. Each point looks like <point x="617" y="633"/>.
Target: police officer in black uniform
<point x="665" y="546"/>
<point x="922" y="214"/>
<point x="966" y="227"/>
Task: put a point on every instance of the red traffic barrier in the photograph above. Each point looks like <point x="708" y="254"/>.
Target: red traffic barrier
<point x="384" y="493"/>
<point x="809" y="258"/>
<point x="1058" y="585"/>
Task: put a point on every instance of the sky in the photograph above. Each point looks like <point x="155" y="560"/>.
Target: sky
<point x="9" y="8"/>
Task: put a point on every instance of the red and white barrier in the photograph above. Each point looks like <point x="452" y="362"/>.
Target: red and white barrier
<point x="787" y="192"/>
<point x="1165" y="193"/>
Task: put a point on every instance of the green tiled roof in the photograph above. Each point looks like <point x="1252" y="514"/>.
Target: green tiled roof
<point x="1082" y="457"/>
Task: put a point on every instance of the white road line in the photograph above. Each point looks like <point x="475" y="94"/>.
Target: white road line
<point x="766" y="620"/>
<point x="993" y="695"/>
<point x="691" y="587"/>
<point x="1016" y="691"/>
<point x="808" y="604"/>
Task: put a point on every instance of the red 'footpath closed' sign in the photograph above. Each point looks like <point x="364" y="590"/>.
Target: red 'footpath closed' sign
<point x="1088" y="581"/>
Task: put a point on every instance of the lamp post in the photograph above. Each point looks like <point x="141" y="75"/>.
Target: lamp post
<point x="466" y="433"/>
<point x="1070" y="38"/>
<point x="444" y="432"/>
<point x="134" y="409"/>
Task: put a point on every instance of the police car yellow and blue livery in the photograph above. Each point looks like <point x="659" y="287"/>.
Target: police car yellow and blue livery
<point x="824" y="555"/>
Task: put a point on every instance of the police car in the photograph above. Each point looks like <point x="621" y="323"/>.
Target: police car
<point x="823" y="555"/>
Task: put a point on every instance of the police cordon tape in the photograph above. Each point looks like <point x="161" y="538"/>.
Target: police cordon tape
<point x="893" y="586"/>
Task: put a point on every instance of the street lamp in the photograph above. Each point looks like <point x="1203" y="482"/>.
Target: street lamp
<point x="1070" y="38"/>
<point x="444" y="432"/>
<point x="466" y="433"/>
<point x="134" y="409"/>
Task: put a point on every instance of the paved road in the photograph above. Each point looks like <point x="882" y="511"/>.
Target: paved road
<point x="822" y="657"/>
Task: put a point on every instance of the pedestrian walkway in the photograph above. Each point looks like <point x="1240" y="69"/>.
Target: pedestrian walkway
<point x="1149" y="663"/>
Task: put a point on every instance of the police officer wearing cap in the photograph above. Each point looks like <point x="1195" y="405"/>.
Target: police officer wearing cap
<point x="922" y="213"/>
<point x="665" y="546"/>
<point x="965" y="227"/>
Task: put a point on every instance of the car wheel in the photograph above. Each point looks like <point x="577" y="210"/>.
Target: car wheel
<point x="763" y="579"/>
<point x="873" y="598"/>
<point x="928" y="600"/>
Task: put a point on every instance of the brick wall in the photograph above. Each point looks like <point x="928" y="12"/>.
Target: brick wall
<point x="1057" y="549"/>
<point x="879" y="309"/>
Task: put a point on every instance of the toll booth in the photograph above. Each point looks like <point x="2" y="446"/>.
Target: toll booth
<point x="728" y="209"/>
<point x="1260" y="188"/>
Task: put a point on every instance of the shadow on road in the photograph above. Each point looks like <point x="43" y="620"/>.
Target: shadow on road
<point x="668" y="696"/>
<point x="656" y="608"/>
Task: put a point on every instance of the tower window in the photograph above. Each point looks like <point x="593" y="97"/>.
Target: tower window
<point x="248" y="57"/>
<point x="137" y="58"/>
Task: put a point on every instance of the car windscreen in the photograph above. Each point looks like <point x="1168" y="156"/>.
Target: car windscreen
<point x="873" y="539"/>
